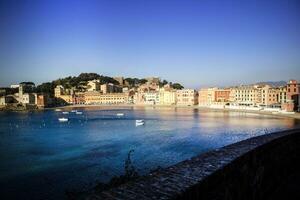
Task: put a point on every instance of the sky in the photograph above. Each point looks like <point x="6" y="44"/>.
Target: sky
<point x="197" y="43"/>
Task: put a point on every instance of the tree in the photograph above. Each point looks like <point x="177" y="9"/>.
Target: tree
<point x="142" y="81"/>
<point x="46" y="88"/>
<point x="177" y="86"/>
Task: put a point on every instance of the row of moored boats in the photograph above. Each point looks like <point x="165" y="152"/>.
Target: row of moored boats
<point x="65" y="119"/>
<point x="138" y="122"/>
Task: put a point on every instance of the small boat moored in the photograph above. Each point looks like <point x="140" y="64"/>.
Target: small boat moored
<point x="139" y="122"/>
<point x="78" y="113"/>
<point x="73" y="111"/>
<point x="65" y="112"/>
<point x="120" y="114"/>
<point x="62" y="119"/>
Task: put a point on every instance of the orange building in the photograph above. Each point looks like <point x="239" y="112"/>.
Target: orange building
<point x="222" y="95"/>
<point x="41" y="101"/>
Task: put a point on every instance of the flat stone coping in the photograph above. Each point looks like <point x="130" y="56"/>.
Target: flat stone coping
<point x="174" y="180"/>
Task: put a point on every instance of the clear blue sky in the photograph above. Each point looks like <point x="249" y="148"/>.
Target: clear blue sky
<point x="197" y="43"/>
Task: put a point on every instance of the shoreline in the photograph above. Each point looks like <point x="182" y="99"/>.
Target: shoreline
<point x="133" y="106"/>
<point x="295" y="115"/>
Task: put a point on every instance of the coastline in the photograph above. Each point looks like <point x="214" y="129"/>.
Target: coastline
<point x="295" y="115"/>
<point x="133" y="106"/>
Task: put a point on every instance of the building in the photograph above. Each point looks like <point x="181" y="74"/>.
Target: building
<point x="206" y="96"/>
<point x="14" y="86"/>
<point x="108" y="98"/>
<point x="292" y="94"/>
<point x="167" y="96"/>
<point x="151" y="98"/>
<point x="28" y="98"/>
<point x="249" y="95"/>
<point x="93" y="85"/>
<point x="25" y="94"/>
<point x="153" y="80"/>
<point x="282" y="94"/>
<point x="269" y="96"/>
<point x="61" y="96"/>
<point x="120" y="80"/>
<point x="187" y="97"/>
<point x="149" y="86"/>
<point x="8" y="99"/>
<point x="79" y="98"/>
<point x="222" y="95"/>
<point x="58" y="90"/>
<point x="110" y="88"/>
<point x="42" y="101"/>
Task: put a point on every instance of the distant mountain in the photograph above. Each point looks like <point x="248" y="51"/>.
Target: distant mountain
<point x="273" y="83"/>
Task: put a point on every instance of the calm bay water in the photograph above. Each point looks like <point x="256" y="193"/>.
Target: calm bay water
<point x="40" y="157"/>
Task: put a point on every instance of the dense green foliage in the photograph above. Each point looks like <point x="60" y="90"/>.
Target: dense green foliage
<point x="135" y="81"/>
<point x="177" y="86"/>
<point x="74" y="81"/>
<point x="79" y="82"/>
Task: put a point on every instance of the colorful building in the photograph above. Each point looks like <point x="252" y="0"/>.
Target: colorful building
<point x="109" y="98"/>
<point x="187" y="97"/>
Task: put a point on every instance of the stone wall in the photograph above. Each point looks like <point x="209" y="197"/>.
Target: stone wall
<point x="264" y="167"/>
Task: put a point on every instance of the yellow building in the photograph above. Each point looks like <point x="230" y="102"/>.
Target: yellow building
<point x="167" y="96"/>
<point x="59" y="93"/>
<point x="109" y="98"/>
<point x="93" y="85"/>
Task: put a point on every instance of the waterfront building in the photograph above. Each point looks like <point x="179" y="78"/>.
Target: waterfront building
<point x="293" y="92"/>
<point x="93" y="85"/>
<point x="222" y="95"/>
<point x="61" y="96"/>
<point x="151" y="98"/>
<point x="108" y="98"/>
<point x="187" y="97"/>
<point x="269" y="96"/>
<point x="28" y="98"/>
<point x="26" y="95"/>
<point x="41" y="101"/>
<point x="79" y="98"/>
<point x="7" y="99"/>
<point x="249" y="95"/>
<point x="206" y="96"/>
<point x="167" y="96"/>
<point x="282" y="94"/>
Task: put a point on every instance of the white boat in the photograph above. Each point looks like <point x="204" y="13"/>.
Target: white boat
<point x="139" y="122"/>
<point x="63" y="119"/>
<point x="78" y="113"/>
<point x="120" y="114"/>
<point x="57" y="109"/>
<point x="73" y="111"/>
<point x="65" y="112"/>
